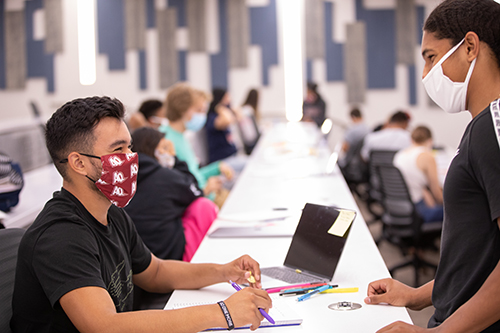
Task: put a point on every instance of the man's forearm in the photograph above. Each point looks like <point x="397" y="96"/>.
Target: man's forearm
<point x="422" y="297"/>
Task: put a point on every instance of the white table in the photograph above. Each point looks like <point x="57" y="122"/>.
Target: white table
<point x="39" y="184"/>
<point x="284" y="171"/>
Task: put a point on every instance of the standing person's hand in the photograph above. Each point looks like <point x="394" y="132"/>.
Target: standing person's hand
<point x="402" y="327"/>
<point x="393" y="292"/>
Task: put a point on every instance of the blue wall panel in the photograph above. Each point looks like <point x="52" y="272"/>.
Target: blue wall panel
<point x="2" y="46"/>
<point x="420" y="23"/>
<point x="264" y="32"/>
<point x="334" y="51"/>
<point x="39" y="63"/>
<point x="181" y="11"/>
<point x="412" y="84"/>
<point x="143" y="73"/>
<point x="111" y="32"/>
<point x="182" y="66"/>
<point x="309" y="70"/>
<point x="219" y="61"/>
<point x="381" y="45"/>
<point x="150" y="14"/>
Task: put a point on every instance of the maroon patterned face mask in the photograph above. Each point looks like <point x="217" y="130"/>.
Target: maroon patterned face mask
<point x="118" y="180"/>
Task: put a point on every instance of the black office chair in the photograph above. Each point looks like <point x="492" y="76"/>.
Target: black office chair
<point x="355" y="170"/>
<point x="9" y="243"/>
<point x="402" y="226"/>
<point x="374" y="195"/>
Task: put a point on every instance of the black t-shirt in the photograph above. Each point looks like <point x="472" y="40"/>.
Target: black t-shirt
<point x="470" y="245"/>
<point x="161" y="199"/>
<point x="66" y="248"/>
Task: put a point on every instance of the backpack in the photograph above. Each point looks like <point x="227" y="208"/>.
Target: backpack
<point x="11" y="182"/>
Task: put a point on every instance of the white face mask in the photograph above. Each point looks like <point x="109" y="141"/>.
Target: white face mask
<point x="448" y="95"/>
<point x="165" y="159"/>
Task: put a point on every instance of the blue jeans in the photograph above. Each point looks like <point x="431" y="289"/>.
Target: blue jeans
<point x="429" y="214"/>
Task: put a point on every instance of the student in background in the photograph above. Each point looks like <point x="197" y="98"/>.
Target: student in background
<point x="186" y="111"/>
<point x="419" y="169"/>
<point x="220" y="139"/>
<point x="314" y="107"/>
<point x="168" y="209"/>
<point x="151" y="113"/>
<point x="461" y="50"/>
<point x="393" y="136"/>
<point x="80" y="259"/>
<point x="355" y="133"/>
<point x="248" y="122"/>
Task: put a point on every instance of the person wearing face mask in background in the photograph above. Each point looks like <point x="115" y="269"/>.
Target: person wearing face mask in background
<point x="151" y="114"/>
<point x="187" y="111"/>
<point x="461" y="49"/>
<point x="169" y="210"/>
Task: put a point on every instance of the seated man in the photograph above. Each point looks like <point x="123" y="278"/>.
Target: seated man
<point x="393" y="136"/>
<point x="80" y="259"/>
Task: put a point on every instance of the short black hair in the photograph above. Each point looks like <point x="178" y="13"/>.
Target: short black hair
<point x="399" y="117"/>
<point x="71" y="127"/>
<point x="150" y="107"/>
<point x="453" y="19"/>
<point x="145" y="140"/>
<point x="355" y="113"/>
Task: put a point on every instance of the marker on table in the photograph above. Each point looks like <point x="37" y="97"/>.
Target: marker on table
<point x="264" y="313"/>
<point x="314" y="292"/>
<point x="341" y="290"/>
<point x="301" y="291"/>
<point x="302" y="285"/>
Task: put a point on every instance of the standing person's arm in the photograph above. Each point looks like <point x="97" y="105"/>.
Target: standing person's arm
<point x="473" y="316"/>
<point x="91" y="309"/>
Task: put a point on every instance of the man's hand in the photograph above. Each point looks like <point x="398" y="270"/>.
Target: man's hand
<point x="390" y="291"/>
<point x="239" y="271"/>
<point x="226" y="170"/>
<point x="244" y="305"/>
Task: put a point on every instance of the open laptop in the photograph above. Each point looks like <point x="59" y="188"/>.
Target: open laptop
<point x="314" y="252"/>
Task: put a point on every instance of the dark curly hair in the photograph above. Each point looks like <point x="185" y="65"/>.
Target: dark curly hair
<point x="71" y="127"/>
<point x="453" y="19"/>
<point x="145" y="140"/>
<point x="150" y="107"/>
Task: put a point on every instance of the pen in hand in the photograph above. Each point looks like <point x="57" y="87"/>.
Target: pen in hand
<point x="264" y="313"/>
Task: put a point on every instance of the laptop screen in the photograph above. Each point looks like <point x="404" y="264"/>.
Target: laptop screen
<point x="313" y="249"/>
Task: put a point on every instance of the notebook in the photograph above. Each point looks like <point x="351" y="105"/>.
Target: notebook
<point x="316" y="247"/>
<point x="281" y="312"/>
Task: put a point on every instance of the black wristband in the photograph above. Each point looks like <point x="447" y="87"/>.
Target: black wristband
<point x="225" y="311"/>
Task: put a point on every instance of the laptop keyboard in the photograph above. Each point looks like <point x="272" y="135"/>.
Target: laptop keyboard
<point x="287" y="275"/>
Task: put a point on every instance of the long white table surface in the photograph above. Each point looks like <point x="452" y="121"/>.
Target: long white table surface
<point x="286" y="171"/>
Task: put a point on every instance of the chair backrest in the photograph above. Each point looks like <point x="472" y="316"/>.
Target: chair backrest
<point x="198" y="141"/>
<point x="354" y="168"/>
<point x="396" y="200"/>
<point x="9" y="243"/>
<point x="378" y="158"/>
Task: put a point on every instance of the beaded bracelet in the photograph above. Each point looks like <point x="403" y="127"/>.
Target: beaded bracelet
<point x="225" y="311"/>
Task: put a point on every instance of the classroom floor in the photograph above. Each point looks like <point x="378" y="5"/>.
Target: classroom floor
<point x="392" y="256"/>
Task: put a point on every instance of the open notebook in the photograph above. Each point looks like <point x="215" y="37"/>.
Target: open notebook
<point x="281" y="312"/>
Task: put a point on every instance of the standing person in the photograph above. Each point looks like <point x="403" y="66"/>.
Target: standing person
<point x="219" y="137"/>
<point x="186" y="110"/>
<point x="168" y="209"/>
<point x="461" y="49"/>
<point x="393" y="136"/>
<point x="78" y="262"/>
<point x="314" y="107"/>
<point x="419" y="169"/>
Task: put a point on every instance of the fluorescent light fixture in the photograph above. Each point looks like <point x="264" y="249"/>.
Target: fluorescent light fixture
<point x="291" y="11"/>
<point x="86" y="41"/>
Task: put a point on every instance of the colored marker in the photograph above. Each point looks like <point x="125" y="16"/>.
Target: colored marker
<point x="301" y="291"/>
<point x="341" y="290"/>
<point x="303" y="285"/>
<point x="314" y="292"/>
<point x="264" y="313"/>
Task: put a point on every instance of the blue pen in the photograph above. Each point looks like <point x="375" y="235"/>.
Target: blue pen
<point x="314" y="292"/>
<point x="264" y="313"/>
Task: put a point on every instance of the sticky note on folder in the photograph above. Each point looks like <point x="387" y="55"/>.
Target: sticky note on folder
<point x="342" y="223"/>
